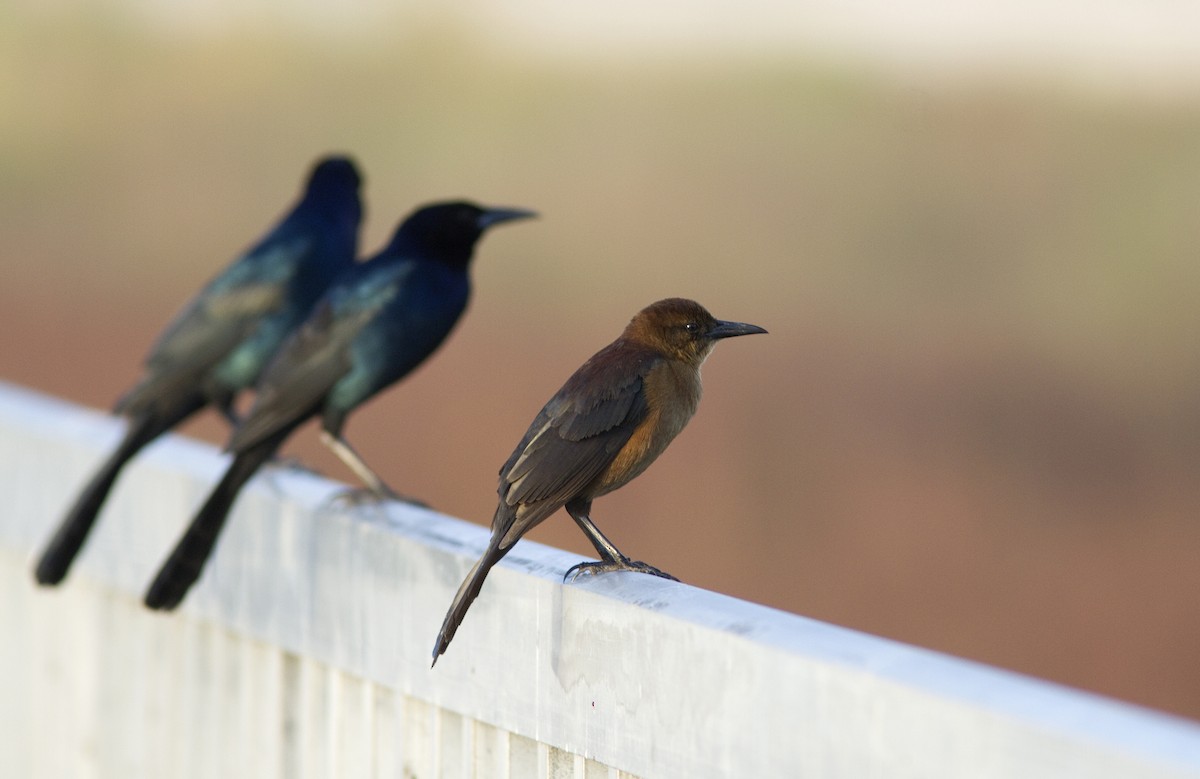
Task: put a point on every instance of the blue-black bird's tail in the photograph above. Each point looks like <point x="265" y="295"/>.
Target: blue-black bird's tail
<point x="467" y="592"/>
<point x="56" y="560"/>
<point x="183" y="567"/>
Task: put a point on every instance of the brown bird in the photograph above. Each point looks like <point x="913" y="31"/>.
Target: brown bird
<point x="611" y="419"/>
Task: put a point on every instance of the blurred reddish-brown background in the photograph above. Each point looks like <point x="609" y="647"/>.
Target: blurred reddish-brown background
<point x="975" y="425"/>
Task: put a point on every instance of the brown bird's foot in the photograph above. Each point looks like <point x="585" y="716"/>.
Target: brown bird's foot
<point x="367" y="496"/>
<point x="608" y="566"/>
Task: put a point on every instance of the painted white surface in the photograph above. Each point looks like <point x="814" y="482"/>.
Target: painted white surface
<point x="305" y="648"/>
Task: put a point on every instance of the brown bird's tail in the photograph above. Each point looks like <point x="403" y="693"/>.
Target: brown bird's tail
<point x="56" y="560"/>
<point x="183" y="567"/>
<point x="466" y="595"/>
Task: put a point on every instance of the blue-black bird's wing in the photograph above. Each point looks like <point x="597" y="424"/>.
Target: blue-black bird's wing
<point x="312" y="360"/>
<point x="575" y="438"/>
<point x="218" y="318"/>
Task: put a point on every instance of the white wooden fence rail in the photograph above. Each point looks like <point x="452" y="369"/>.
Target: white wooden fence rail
<point x="304" y="652"/>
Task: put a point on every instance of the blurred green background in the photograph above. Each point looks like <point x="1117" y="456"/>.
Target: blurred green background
<point x="975" y="425"/>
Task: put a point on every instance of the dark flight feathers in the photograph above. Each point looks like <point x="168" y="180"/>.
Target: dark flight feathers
<point x="578" y="434"/>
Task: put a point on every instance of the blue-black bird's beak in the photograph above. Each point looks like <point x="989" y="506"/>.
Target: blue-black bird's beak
<point x="494" y="216"/>
<point x="730" y="329"/>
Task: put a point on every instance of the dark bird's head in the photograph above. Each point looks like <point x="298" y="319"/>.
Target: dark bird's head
<point x="334" y="176"/>
<point x="682" y="329"/>
<point x="449" y="231"/>
<point x="332" y="192"/>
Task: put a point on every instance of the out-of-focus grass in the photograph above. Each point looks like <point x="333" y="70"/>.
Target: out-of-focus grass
<point x="975" y="424"/>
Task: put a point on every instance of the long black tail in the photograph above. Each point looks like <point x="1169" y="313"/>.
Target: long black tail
<point x="467" y="592"/>
<point x="183" y="567"/>
<point x="56" y="560"/>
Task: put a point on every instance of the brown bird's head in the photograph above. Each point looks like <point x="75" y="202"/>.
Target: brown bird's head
<point x="683" y="329"/>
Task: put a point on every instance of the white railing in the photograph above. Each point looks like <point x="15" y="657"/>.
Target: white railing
<point x="304" y="651"/>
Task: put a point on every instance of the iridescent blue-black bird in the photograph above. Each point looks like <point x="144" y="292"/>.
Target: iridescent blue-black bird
<point x="612" y="418"/>
<point x="371" y="329"/>
<point x="219" y="344"/>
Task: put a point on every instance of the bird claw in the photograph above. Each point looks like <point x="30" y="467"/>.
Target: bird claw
<point x="609" y="566"/>
<point x="365" y="496"/>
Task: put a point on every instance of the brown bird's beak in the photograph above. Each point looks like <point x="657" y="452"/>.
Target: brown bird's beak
<point x="494" y="216"/>
<point x="730" y="329"/>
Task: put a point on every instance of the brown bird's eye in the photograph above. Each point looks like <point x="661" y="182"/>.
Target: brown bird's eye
<point x="692" y="327"/>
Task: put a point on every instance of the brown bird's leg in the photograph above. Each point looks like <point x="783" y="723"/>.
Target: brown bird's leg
<point x="611" y="558"/>
<point x="376" y="489"/>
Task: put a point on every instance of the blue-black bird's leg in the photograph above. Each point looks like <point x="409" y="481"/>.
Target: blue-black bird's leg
<point x="230" y="415"/>
<point x="611" y="558"/>
<point x="222" y="398"/>
<point x="376" y="489"/>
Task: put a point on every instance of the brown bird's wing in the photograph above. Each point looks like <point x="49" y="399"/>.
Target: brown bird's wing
<point x="574" y="439"/>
